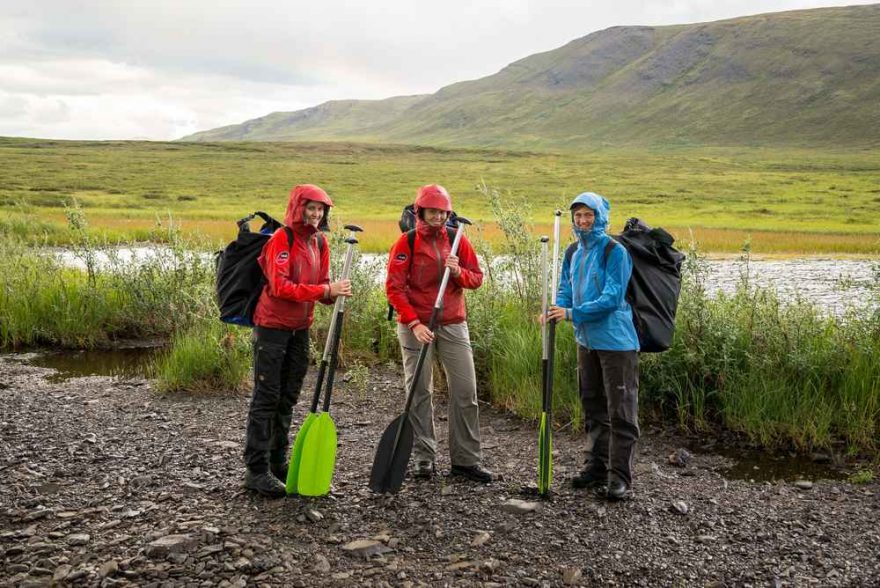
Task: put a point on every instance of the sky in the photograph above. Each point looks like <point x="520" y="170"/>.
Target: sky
<point x="162" y="69"/>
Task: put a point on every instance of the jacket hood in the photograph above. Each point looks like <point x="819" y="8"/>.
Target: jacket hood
<point x="600" y="207"/>
<point x="296" y="205"/>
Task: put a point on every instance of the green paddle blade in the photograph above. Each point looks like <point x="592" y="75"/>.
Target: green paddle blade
<point x="318" y="458"/>
<point x="545" y="456"/>
<point x="296" y="454"/>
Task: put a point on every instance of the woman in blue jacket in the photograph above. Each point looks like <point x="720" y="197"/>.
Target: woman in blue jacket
<point x="592" y="294"/>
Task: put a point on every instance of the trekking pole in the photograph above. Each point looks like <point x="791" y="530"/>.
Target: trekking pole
<point x="296" y="453"/>
<point x="544" y="450"/>
<point x="395" y="445"/>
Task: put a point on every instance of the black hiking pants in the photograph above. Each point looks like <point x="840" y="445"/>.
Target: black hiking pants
<point x="609" y="390"/>
<point x="280" y="364"/>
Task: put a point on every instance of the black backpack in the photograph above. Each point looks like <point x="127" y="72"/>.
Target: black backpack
<point x="240" y="278"/>
<point x="655" y="283"/>
<point x="407" y="224"/>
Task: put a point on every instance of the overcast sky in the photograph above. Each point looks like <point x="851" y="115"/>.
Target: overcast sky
<point x="161" y="69"/>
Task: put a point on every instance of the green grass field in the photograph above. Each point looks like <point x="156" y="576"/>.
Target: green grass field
<point x="786" y="201"/>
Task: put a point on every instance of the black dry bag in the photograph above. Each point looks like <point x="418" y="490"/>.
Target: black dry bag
<point x="240" y="279"/>
<point x="655" y="282"/>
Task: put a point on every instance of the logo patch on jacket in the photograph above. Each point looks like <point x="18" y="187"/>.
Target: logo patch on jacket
<point x="400" y="257"/>
<point x="282" y="257"/>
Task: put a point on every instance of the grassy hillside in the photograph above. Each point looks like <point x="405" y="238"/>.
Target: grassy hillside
<point x="789" y="201"/>
<point x="802" y="78"/>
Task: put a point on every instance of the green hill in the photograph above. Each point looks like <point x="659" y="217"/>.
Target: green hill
<point x="801" y="78"/>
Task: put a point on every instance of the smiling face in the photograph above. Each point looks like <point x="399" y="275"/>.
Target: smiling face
<point x="434" y="216"/>
<point x="583" y="217"/>
<point x="313" y="213"/>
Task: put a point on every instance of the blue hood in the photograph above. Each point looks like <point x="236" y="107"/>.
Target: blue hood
<point x="601" y="207"/>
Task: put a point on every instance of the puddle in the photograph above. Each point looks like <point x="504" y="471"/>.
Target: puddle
<point x="126" y="362"/>
<point x="757" y="466"/>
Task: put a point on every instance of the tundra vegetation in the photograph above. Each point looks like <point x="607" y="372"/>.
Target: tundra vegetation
<point x="785" y="201"/>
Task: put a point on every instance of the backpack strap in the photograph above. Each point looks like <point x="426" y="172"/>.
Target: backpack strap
<point x="411" y="240"/>
<point x="608" y="248"/>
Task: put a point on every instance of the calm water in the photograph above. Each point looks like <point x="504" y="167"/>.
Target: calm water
<point x="834" y="284"/>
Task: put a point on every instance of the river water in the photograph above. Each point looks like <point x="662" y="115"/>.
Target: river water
<point x="833" y="284"/>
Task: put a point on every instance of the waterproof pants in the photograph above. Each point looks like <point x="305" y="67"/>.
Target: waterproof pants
<point x="280" y="364"/>
<point x="609" y="390"/>
<point x="452" y="345"/>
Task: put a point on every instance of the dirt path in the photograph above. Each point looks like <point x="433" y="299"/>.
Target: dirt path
<point x="102" y="482"/>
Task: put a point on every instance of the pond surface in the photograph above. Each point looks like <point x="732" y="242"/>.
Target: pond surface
<point x="126" y="362"/>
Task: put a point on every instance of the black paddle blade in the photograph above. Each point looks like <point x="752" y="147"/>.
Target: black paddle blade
<point x="389" y="465"/>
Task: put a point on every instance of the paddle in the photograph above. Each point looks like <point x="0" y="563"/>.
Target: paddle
<point x="395" y="446"/>
<point x="544" y="449"/>
<point x="311" y="448"/>
<point x="548" y="340"/>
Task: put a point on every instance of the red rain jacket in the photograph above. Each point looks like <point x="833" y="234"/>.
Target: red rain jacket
<point x="412" y="286"/>
<point x="297" y="276"/>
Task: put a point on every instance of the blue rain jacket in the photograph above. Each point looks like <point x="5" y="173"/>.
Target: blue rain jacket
<point x="596" y="291"/>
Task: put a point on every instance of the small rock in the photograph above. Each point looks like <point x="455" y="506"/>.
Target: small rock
<point x="61" y="572"/>
<point x="109" y="568"/>
<point x="170" y="544"/>
<point x="705" y="538"/>
<point x="322" y="564"/>
<point x="803" y="484"/>
<point x="313" y="515"/>
<point x="460" y="565"/>
<point x="365" y="548"/>
<point x="571" y="576"/>
<point x="679" y="458"/>
<point x="78" y="539"/>
<point x="679" y="507"/>
<point x="480" y="539"/>
<point x="516" y="506"/>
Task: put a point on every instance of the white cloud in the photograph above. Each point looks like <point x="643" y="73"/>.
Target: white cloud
<point x="163" y="68"/>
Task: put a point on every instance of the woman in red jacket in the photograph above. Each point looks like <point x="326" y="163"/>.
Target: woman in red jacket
<point x="297" y="276"/>
<point x="412" y="284"/>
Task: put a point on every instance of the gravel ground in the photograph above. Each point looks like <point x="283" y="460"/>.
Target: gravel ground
<point x="104" y="482"/>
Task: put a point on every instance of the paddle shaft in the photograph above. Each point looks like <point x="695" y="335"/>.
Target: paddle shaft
<point x="551" y="328"/>
<point x="335" y="327"/>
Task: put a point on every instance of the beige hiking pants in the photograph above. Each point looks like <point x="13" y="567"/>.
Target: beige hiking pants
<point x="453" y="347"/>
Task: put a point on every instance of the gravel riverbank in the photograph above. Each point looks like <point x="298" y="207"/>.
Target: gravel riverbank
<point x="103" y="482"/>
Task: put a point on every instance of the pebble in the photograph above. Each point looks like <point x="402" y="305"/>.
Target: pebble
<point x="517" y="506"/>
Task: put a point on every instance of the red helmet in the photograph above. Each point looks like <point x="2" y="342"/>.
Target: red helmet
<point x="433" y="196"/>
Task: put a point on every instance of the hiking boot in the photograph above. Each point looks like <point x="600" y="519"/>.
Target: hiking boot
<point x="618" y="490"/>
<point x="615" y="490"/>
<point x="265" y="483"/>
<point x="475" y="473"/>
<point x="589" y="478"/>
<point x="424" y="470"/>
<point x="279" y="470"/>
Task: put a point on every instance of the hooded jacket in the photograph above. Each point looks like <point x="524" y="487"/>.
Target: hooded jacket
<point x="594" y="289"/>
<point x="412" y="285"/>
<point x="297" y="276"/>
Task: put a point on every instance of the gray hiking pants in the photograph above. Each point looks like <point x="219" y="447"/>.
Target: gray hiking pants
<point x="452" y="345"/>
<point x="609" y="389"/>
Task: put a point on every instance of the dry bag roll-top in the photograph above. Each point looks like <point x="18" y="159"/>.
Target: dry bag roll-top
<point x="655" y="283"/>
